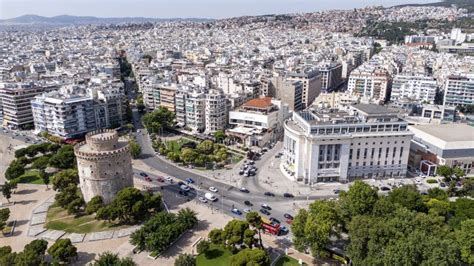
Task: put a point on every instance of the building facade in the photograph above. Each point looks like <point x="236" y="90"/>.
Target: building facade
<point x="368" y="141"/>
<point x="216" y="111"/>
<point x="288" y="91"/>
<point x="420" y="88"/>
<point x="370" y="84"/>
<point x="331" y="76"/>
<point x="459" y="90"/>
<point x="311" y="81"/>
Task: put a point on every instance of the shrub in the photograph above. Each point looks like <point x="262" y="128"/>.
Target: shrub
<point x="431" y="181"/>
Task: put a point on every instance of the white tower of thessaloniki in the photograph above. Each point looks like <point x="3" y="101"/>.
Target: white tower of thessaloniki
<point x="104" y="164"/>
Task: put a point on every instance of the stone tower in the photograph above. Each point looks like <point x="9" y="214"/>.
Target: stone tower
<point x="104" y="164"/>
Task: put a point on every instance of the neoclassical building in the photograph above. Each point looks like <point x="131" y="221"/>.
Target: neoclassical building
<point x="104" y="164"/>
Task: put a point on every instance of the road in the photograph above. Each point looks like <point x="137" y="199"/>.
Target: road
<point x="228" y="196"/>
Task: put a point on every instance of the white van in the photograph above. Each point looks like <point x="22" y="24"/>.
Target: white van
<point x="210" y="197"/>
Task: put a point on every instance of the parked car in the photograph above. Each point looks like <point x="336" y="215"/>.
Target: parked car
<point x="284" y="230"/>
<point x="275" y="220"/>
<point x="263" y="211"/>
<point x="148" y="179"/>
<point x="242" y="189"/>
<point x="213" y="189"/>
<point x="210" y="197"/>
<point x="247" y="210"/>
<point x="202" y="199"/>
<point x="248" y="203"/>
<point x="265" y="206"/>
<point x="442" y="184"/>
<point x="236" y="211"/>
<point x="336" y="191"/>
<point x="180" y="183"/>
<point x="143" y="174"/>
<point x="288" y="195"/>
<point x="168" y="178"/>
<point x="269" y="194"/>
<point x="189" y="180"/>
<point x="160" y="179"/>
<point x="385" y="188"/>
<point x="288" y="216"/>
<point x="185" y="188"/>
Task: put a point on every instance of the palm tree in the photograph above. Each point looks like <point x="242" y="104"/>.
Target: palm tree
<point x="254" y="219"/>
<point x="187" y="217"/>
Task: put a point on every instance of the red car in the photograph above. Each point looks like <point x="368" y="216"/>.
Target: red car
<point x="160" y="179"/>
<point x="148" y="179"/>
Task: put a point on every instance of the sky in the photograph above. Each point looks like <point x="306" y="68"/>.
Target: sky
<point x="180" y="8"/>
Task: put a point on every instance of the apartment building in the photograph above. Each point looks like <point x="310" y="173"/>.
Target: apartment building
<point x="191" y="108"/>
<point x="216" y="111"/>
<point x="290" y="92"/>
<point x="157" y="94"/>
<point x="369" y="83"/>
<point x="367" y="141"/>
<point x="416" y="87"/>
<point x="459" y="90"/>
<point x="311" y="80"/>
<point x="331" y="76"/>
<point x="16" y="98"/>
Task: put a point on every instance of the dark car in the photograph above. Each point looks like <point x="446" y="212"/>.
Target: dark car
<point x="442" y="184"/>
<point x="143" y="174"/>
<point x="160" y="179"/>
<point x="264" y="211"/>
<point x="288" y="195"/>
<point x="244" y="190"/>
<point x="288" y="216"/>
<point x="385" y="188"/>
<point x="265" y="206"/>
<point x="189" y="180"/>
<point x="269" y="194"/>
<point x="180" y="183"/>
<point x="248" y="203"/>
<point x="275" y="220"/>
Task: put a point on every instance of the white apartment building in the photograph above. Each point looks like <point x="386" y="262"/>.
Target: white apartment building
<point x="311" y="80"/>
<point x="216" y="111"/>
<point x="369" y="83"/>
<point x="459" y="90"/>
<point x="191" y="108"/>
<point x="416" y="87"/>
<point x="15" y="98"/>
<point x="368" y="141"/>
<point x="258" y="121"/>
<point x="74" y="110"/>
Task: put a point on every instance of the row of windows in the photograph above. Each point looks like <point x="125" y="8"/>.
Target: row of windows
<point x="379" y="154"/>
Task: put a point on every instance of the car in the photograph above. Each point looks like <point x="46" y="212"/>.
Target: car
<point x="288" y="195"/>
<point x="143" y="174"/>
<point x="202" y="199"/>
<point x="180" y="183"/>
<point x="251" y="162"/>
<point x="265" y="206"/>
<point x="160" y="179"/>
<point x="168" y="178"/>
<point x="248" y="203"/>
<point x="269" y="194"/>
<point x="242" y="189"/>
<point x="236" y="211"/>
<point x="184" y="188"/>
<point x="241" y="172"/>
<point x="336" y="191"/>
<point x="189" y="180"/>
<point x="442" y="184"/>
<point x="148" y="179"/>
<point x="275" y="220"/>
<point x="210" y="197"/>
<point x="247" y="210"/>
<point x="384" y="188"/>
<point x="213" y="189"/>
<point x="288" y="216"/>
<point x="284" y="229"/>
<point x="263" y="211"/>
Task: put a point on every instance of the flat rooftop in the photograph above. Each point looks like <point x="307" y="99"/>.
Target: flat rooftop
<point x="446" y="136"/>
<point x="373" y="109"/>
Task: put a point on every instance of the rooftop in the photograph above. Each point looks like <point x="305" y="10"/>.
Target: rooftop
<point x="259" y="103"/>
<point x="372" y="109"/>
<point x="448" y="132"/>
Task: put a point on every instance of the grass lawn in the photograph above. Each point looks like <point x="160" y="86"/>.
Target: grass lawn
<point x="175" y="145"/>
<point x="216" y="256"/>
<point x="31" y="177"/>
<point x="287" y="261"/>
<point x="59" y="219"/>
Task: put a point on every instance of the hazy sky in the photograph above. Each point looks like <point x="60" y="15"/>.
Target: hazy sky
<point x="179" y="8"/>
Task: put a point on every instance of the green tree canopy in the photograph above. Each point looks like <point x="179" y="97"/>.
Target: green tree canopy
<point x="250" y="257"/>
<point x="112" y="259"/>
<point x="135" y="149"/>
<point x="185" y="260"/>
<point x="62" y="250"/>
<point x="64" y="178"/>
<point x="358" y="200"/>
<point x="94" y="205"/>
<point x="158" y="119"/>
<point x="4" y="215"/>
<point x="64" y="158"/>
<point x="465" y="238"/>
<point x="408" y="197"/>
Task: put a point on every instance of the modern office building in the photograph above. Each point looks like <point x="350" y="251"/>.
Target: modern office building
<point x="367" y="141"/>
<point x="446" y="144"/>
<point x="289" y="92"/>
<point x="459" y="90"/>
<point x="311" y="80"/>
<point x="416" y="87"/>
<point x="369" y="83"/>
<point x="15" y="98"/>
<point x="258" y="121"/>
<point x="331" y="76"/>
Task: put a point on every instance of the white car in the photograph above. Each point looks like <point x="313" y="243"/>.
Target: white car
<point x="213" y="189"/>
<point x="202" y="199"/>
<point x="247" y="210"/>
<point x="168" y="178"/>
<point x="185" y="188"/>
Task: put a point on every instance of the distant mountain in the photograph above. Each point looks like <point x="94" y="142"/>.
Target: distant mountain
<point x="65" y="20"/>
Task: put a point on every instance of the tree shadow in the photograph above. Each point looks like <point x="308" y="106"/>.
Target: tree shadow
<point x="25" y="191"/>
<point x="25" y="202"/>
<point x="21" y="222"/>
<point x="83" y="258"/>
<point x="213" y="253"/>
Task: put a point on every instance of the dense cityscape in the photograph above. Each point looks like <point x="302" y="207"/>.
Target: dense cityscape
<point x="315" y="138"/>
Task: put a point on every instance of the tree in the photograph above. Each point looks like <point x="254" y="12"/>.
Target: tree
<point x="185" y="260"/>
<point x="7" y="191"/>
<point x="217" y="236"/>
<point x="37" y="246"/>
<point x="41" y="163"/>
<point x="62" y="250"/>
<point x="64" y="158"/>
<point x="255" y="220"/>
<point x="463" y="209"/>
<point x="465" y="239"/>
<point x="94" y="205"/>
<point x="76" y="205"/>
<point x="408" y="197"/>
<point x="62" y="179"/>
<point x="4" y="215"/>
<point x="67" y="195"/>
<point x="44" y="177"/>
<point x="297" y="227"/>
<point x="15" y="170"/>
<point x="158" y="119"/>
<point x="205" y="147"/>
<point x="219" y="135"/>
<point x="203" y="246"/>
<point x="446" y="172"/>
<point x="234" y="232"/>
<point x="112" y="259"/>
<point x="188" y="155"/>
<point x="135" y="149"/>
<point x="187" y="217"/>
<point x="250" y="257"/>
<point x="358" y="200"/>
